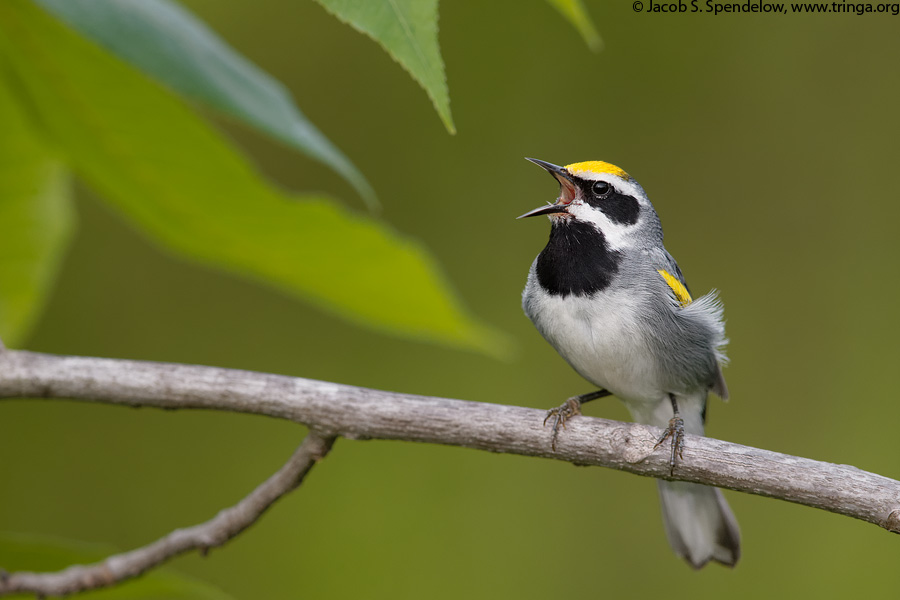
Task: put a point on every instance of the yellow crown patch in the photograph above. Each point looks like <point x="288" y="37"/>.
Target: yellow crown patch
<point x="597" y="166"/>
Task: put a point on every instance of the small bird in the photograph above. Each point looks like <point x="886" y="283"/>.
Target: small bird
<point x="612" y="301"/>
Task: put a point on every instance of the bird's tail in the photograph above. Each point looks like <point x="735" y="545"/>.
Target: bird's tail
<point x="699" y="524"/>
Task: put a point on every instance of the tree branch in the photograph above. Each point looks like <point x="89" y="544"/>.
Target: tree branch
<point x="215" y="532"/>
<point x="333" y="409"/>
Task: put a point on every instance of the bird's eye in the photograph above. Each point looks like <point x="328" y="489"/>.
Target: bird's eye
<point x="601" y="188"/>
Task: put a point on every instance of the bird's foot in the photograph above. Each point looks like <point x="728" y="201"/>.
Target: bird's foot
<point x="560" y="415"/>
<point x="675" y="430"/>
<point x="567" y="410"/>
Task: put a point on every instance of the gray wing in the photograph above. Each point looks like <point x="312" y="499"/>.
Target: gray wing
<point x="661" y="259"/>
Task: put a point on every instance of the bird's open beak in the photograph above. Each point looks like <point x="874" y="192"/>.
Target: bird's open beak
<point x="567" y="190"/>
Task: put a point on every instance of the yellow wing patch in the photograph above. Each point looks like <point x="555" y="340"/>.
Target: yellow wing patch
<point x="597" y="166"/>
<point x="681" y="293"/>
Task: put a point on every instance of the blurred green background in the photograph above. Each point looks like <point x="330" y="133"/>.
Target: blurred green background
<point x="769" y="146"/>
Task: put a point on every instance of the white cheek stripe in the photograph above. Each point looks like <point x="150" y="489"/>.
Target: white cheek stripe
<point x="618" y="236"/>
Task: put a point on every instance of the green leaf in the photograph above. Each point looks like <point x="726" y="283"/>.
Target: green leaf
<point x="408" y="31"/>
<point x="20" y="552"/>
<point x="36" y="219"/>
<point x="180" y="182"/>
<point x="174" y="47"/>
<point x="575" y="12"/>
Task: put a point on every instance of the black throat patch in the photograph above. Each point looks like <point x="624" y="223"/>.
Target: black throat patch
<point x="577" y="260"/>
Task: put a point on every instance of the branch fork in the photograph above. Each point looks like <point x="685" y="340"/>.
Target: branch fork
<point x="331" y="410"/>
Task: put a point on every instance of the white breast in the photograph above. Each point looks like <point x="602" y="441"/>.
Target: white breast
<point x="601" y="337"/>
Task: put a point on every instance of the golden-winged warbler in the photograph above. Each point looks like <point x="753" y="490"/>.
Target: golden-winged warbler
<point x="612" y="301"/>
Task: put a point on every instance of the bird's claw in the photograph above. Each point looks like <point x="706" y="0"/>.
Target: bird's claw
<point x="560" y="415"/>
<point x="675" y="430"/>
